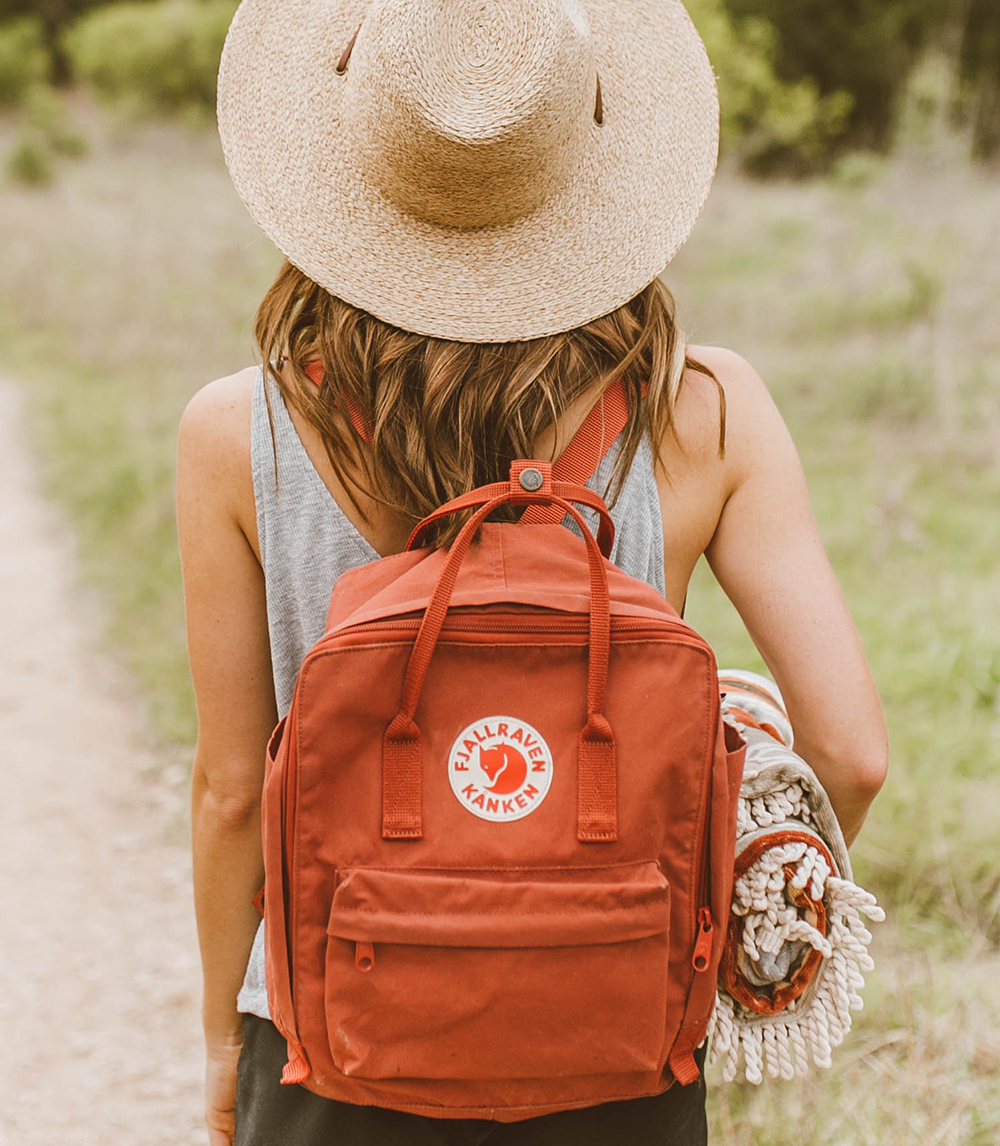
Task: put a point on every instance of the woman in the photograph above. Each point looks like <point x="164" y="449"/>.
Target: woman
<point x="479" y="198"/>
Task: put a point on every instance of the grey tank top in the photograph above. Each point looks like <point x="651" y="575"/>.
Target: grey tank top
<point x="306" y="542"/>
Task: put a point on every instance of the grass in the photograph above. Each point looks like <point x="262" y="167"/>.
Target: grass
<point x="870" y="306"/>
<point x="871" y="312"/>
<point x="894" y="411"/>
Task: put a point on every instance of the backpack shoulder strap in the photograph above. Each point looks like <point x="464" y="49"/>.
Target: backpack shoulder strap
<point x="586" y="450"/>
<point x="576" y="464"/>
<point x="316" y="372"/>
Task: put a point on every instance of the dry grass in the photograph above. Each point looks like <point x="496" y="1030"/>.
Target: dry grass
<point x="921" y="1065"/>
<point x="869" y="302"/>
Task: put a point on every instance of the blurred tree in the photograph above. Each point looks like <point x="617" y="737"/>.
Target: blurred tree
<point x="864" y="47"/>
<point x="158" y="57"/>
<point x="769" y="122"/>
<point x="980" y="69"/>
<point x="55" y="16"/>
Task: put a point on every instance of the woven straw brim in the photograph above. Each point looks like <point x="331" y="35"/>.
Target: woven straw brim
<point x="613" y="226"/>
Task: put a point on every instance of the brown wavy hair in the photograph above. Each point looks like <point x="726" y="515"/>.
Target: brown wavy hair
<point x="448" y="416"/>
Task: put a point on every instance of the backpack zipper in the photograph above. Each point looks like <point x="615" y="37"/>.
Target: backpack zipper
<point x="527" y="624"/>
<point x="703" y="940"/>
<point x="704" y="928"/>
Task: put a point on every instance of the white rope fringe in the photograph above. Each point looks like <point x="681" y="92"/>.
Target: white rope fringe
<point x="780" y="794"/>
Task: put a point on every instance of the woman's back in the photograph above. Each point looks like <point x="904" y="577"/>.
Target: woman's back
<point x="257" y="600"/>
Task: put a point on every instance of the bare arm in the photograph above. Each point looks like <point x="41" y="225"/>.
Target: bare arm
<point x="231" y="669"/>
<point x="768" y="557"/>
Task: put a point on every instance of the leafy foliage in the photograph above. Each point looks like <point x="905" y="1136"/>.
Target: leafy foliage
<point x="28" y="162"/>
<point x="769" y="121"/>
<point x="55" y="13"/>
<point x="52" y="16"/>
<point x="160" y="56"/>
<point x="24" y="59"/>
<point x="864" y="47"/>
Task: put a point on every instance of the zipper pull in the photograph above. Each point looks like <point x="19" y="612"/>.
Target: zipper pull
<point x="364" y="955"/>
<point x="703" y="941"/>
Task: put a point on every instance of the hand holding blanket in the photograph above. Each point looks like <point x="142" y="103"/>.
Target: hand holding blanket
<point x="797" y="944"/>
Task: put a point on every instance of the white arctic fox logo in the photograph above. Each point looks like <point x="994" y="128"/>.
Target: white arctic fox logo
<point x="500" y="768"/>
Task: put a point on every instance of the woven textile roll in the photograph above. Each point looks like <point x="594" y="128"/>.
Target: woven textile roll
<point x="797" y="944"/>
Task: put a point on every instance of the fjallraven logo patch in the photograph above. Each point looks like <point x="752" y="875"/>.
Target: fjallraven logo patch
<point x="500" y="768"/>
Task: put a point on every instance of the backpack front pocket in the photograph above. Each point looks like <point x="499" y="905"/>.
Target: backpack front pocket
<point x="498" y="975"/>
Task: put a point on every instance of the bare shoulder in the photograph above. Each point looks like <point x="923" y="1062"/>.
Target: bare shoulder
<point x="746" y="394"/>
<point x="754" y="425"/>
<point x="728" y="383"/>
<point x="219" y="412"/>
<point x="214" y="440"/>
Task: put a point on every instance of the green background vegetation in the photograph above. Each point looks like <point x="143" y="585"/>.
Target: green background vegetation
<point x="866" y="294"/>
<point x="801" y="83"/>
<point x="152" y="57"/>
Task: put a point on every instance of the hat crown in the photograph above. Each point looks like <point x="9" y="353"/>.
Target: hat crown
<point x="469" y="113"/>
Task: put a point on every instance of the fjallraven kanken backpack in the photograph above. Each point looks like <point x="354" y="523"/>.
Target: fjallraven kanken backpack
<point x="499" y="821"/>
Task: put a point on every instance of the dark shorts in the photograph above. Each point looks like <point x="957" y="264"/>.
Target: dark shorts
<point x="269" y="1114"/>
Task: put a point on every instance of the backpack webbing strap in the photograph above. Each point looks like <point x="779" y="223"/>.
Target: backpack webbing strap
<point x="576" y="464"/>
<point x="317" y="371"/>
<point x="586" y="450"/>
<point x="477" y="497"/>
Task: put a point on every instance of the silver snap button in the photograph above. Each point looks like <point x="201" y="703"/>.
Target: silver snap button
<point x="531" y="479"/>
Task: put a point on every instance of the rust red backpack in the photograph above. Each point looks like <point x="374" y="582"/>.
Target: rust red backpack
<point x="499" y="821"/>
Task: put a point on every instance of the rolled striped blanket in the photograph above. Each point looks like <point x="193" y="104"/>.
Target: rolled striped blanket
<point x="797" y="945"/>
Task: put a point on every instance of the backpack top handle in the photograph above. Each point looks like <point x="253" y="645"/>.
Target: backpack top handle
<point x="531" y="484"/>
<point x="597" y="819"/>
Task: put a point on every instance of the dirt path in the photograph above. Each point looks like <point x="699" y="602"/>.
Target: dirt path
<point x="99" y="1035"/>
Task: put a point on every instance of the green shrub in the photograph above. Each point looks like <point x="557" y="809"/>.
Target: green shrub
<point x="45" y="113"/>
<point x="865" y="47"/>
<point x="28" y="162"/>
<point x="24" y="59"/>
<point x="46" y="133"/>
<point x="154" y="57"/>
<point x="980" y="68"/>
<point x="771" y="123"/>
<point x="857" y="170"/>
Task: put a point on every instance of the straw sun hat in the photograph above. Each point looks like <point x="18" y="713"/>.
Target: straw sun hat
<point x="483" y="170"/>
